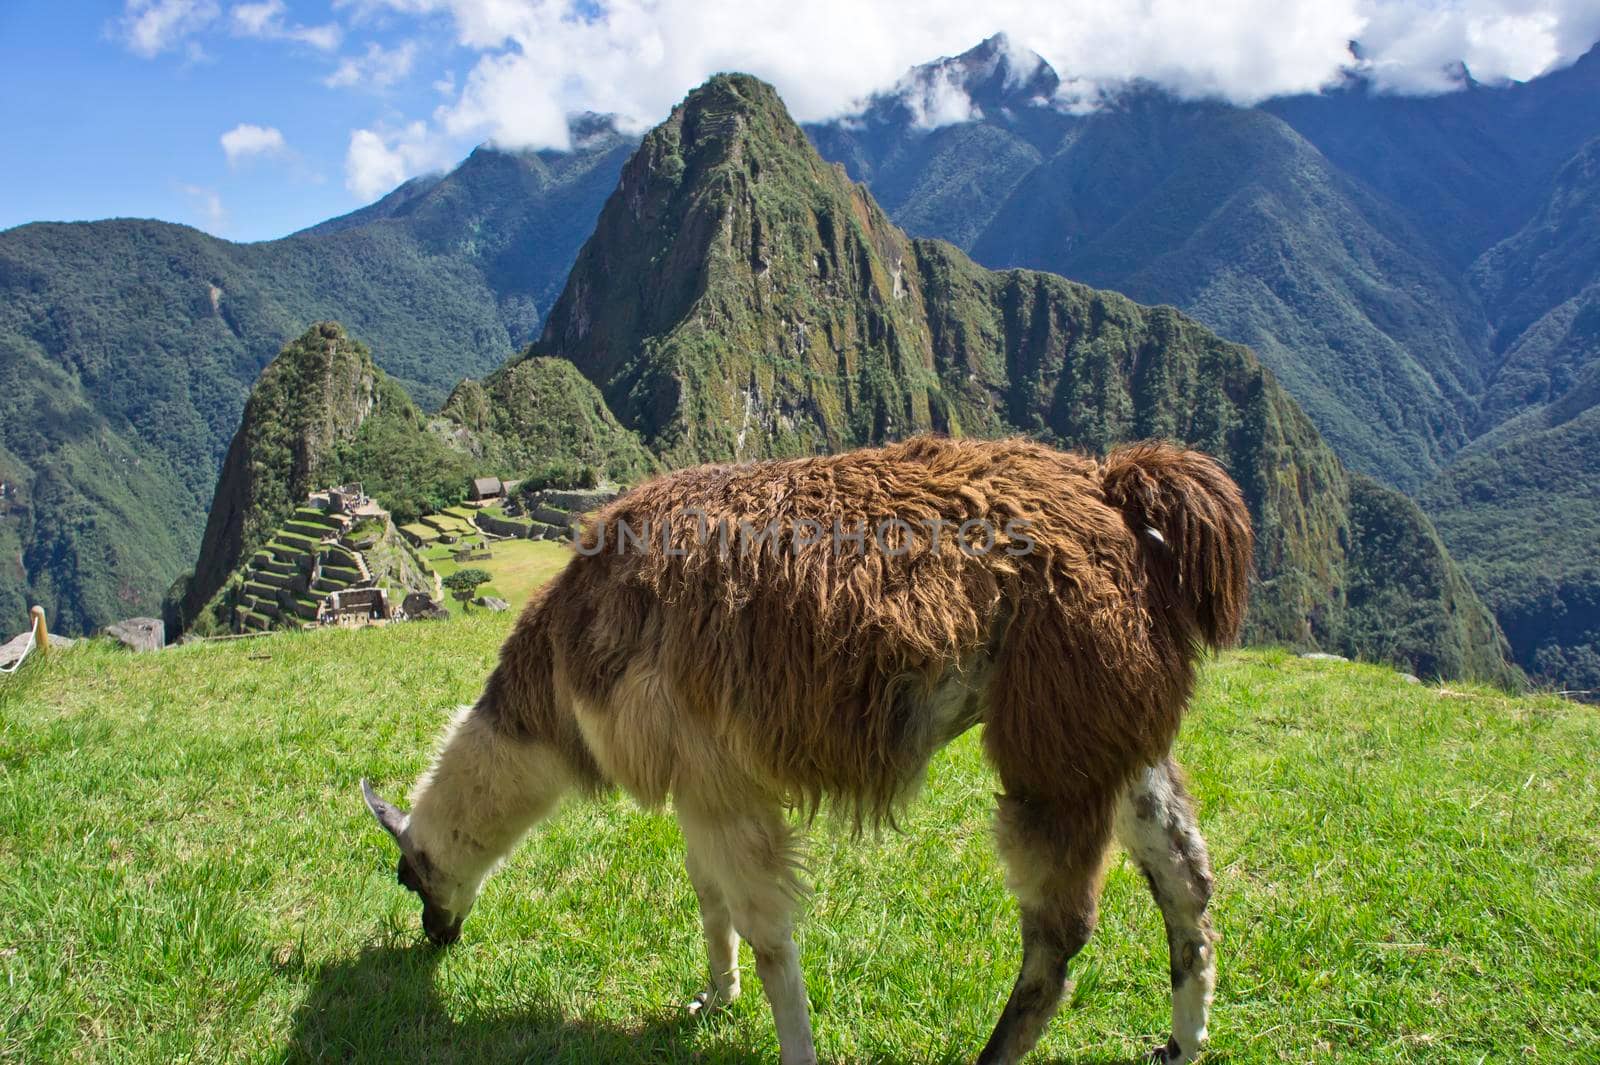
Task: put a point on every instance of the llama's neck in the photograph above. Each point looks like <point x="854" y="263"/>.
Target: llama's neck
<point x="524" y="700"/>
<point x="504" y="762"/>
<point x="483" y="792"/>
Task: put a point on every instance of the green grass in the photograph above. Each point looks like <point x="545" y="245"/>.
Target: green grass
<point x="1404" y="874"/>
<point x="448" y="522"/>
<point x="425" y="533"/>
<point x="305" y="544"/>
<point x="305" y="529"/>
<point x="515" y="569"/>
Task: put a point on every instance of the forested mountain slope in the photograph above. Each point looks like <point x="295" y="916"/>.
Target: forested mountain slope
<point x="128" y="349"/>
<point x="1227" y="213"/>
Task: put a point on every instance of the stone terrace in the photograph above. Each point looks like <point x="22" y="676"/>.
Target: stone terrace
<point x="289" y="580"/>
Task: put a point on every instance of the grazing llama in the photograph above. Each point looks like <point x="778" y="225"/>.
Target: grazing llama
<point x="753" y="640"/>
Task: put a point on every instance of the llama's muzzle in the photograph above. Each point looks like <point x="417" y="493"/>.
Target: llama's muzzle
<point x="441" y="928"/>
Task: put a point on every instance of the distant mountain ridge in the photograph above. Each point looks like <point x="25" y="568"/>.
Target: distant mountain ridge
<point x="1347" y="280"/>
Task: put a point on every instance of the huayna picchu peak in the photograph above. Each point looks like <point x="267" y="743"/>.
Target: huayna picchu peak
<point x="740" y="298"/>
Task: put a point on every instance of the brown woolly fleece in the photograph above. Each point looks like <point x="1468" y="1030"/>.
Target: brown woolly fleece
<point x="820" y="665"/>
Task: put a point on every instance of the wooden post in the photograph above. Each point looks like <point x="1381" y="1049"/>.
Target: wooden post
<point x="41" y="634"/>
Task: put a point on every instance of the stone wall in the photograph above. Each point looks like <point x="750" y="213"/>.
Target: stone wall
<point x="525" y="528"/>
<point x="550" y="514"/>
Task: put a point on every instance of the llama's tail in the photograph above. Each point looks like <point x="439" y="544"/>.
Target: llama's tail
<point x="1196" y="532"/>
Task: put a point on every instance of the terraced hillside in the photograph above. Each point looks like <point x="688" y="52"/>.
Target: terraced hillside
<point x="128" y="348"/>
<point x="454" y="526"/>
<point x="310" y="564"/>
<point x="301" y="564"/>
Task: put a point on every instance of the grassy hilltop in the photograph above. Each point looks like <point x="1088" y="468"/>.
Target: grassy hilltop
<point x="1405" y="872"/>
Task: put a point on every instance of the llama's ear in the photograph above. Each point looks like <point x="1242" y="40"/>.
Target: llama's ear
<point x="389" y="815"/>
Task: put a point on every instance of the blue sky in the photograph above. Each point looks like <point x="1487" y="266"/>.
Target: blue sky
<point x="253" y="118"/>
<point x="92" y="129"/>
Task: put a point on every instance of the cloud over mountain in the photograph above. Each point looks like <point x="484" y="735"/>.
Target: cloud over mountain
<point x="636" y="57"/>
<point x="510" y="72"/>
<point x="379" y="159"/>
<point x="539" y="60"/>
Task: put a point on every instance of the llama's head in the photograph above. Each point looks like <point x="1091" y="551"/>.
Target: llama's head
<point x="445" y="899"/>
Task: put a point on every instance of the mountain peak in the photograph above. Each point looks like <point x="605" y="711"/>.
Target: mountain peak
<point x="588" y="128"/>
<point x="997" y="75"/>
<point x="994" y="79"/>
<point x="716" y="123"/>
<point x="730" y="104"/>
<point x="730" y="252"/>
<point x="737" y="89"/>
<point x="311" y="398"/>
<point x="1001" y="68"/>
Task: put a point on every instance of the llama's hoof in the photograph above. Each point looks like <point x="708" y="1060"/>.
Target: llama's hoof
<point x="1172" y="1054"/>
<point x="709" y="1001"/>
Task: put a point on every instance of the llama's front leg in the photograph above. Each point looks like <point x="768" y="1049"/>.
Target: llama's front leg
<point x="722" y="942"/>
<point x="750" y="854"/>
<point x="1156" y="823"/>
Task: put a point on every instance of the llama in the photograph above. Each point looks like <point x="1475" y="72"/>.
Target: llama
<point x="779" y="649"/>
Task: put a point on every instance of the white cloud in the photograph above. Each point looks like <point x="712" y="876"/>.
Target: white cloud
<point x="507" y="99"/>
<point x="265" y="19"/>
<point x="150" y="27"/>
<point x="378" y="160"/>
<point x="378" y="68"/>
<point x="538" y="61"/>
<point x="937" y="98"/>
<point x="251" y="20"/>
<point x="246" y="141"/>
<point x="544" y="58"/>
<point x="1420" y="50"/>
<point x="207" y="205"/>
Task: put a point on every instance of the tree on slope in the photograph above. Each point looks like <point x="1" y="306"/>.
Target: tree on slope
<point x="463" y="584"/>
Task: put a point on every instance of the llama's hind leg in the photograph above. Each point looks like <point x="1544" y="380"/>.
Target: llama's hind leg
<point x="1053" y="854"/>
<point x="1156" y="823"/>
<point x="722" y="941"/>
<point x="750" y="854"/>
